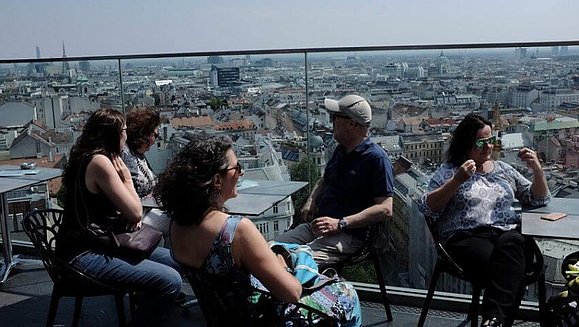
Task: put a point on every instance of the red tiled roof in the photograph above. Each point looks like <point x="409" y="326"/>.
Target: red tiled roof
<point x="200" y="121"/>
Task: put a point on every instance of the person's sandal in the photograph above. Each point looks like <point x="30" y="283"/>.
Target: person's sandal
<point x="493" y="322"/>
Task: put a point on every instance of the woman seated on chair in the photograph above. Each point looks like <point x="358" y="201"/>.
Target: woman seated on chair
<point x="228" y="249"/>
<point x="98" y="185"/>
<point x="471" y="200"/>
<point x="142" y="131"/>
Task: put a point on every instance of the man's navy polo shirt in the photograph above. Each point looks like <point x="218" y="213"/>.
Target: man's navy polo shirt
<point x="353" y="180"/>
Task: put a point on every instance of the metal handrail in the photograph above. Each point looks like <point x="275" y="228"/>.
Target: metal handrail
<point x="442" y="46"/>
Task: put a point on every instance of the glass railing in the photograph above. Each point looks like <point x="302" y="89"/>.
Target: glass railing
<point x="271" y="103"/>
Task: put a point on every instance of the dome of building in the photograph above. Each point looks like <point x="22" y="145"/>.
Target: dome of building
<point x="315" y="142"/>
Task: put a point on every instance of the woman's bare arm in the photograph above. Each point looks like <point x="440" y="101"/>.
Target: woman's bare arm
<point x="102" y="176"/>
<point x="255" y="255"/>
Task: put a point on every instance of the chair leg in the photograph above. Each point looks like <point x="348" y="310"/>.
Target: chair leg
<point x="474" y="305"/>
<point x="77" y="309"/>
<point x="381" y="282"/>
<point x="430" y="294"/>
<point x="54" y="298"/>
<point x="542" y="299"/>
<point x="120" y="302"/>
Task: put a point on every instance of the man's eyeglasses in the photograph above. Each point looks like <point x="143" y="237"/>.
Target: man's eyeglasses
<point x="236" y="167"/>
<point x="480" y="143"/>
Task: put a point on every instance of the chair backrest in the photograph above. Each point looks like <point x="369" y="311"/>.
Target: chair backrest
<point x="534" y="265"/>
<point x="226" y="303"/>
<point x="42" y="227"/>
<point x="447" y="263"/>
<point x="222" y="301"/>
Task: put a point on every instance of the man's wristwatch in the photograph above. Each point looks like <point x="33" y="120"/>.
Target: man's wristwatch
<point x="342" y="224"/>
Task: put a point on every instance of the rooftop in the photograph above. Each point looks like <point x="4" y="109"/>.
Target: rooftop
<point x="25" y="296"/>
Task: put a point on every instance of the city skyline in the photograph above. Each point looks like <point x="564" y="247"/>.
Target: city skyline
<point x="121" y="27"/>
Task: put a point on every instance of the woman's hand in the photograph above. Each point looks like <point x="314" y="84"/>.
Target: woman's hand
<point x="465" y="171"/>
<point x="134" y="226"/>
<point x="530" y="157"/>
<point x="121" y="168"/>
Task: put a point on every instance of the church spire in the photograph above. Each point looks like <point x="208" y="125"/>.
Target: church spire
<point x="64" y="63"/>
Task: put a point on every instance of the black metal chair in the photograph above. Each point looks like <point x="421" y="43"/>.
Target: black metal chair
<point x="369" y="251"/>
<point x="445" y="264"/>
<point x="224" y="303"/>
<point x="42" y="227"/>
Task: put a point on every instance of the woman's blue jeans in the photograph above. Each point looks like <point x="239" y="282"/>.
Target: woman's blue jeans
<point x="156" y="278"/>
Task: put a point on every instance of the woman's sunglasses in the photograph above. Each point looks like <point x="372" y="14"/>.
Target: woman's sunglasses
<point x="480" y="143"/>
<point x="236" y="167"/>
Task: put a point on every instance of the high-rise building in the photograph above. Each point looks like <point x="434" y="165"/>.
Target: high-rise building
<point x="84" y="66"/>
<point x="521" y="53"/>
<point x="39" y="67"/>
<point x="214" y="60"/>
<point x="224" y="76"/>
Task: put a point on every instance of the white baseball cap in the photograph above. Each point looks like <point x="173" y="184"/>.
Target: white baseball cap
<point x="354" y="106"/>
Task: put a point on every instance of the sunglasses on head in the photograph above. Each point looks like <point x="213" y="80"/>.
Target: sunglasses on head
<point x="236" y="167"/>
<point x="480" y="143"/>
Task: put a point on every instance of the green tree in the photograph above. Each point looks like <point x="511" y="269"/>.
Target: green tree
<point x="304" y="171"/>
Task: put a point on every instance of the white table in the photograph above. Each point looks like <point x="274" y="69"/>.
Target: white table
<point x="565" y="228"/>
<point x="8" y="184"/>
<point x="253" y="197"/>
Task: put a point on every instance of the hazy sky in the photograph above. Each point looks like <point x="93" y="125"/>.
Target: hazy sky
<point x="108" y="27"/>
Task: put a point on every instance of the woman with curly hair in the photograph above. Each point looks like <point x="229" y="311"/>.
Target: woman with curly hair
<point x="225" y="249"/>
<point x="142" y="131"/>
<point x="98" y="185"/>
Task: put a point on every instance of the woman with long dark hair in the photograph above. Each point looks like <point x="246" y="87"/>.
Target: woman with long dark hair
<point x="98" y="185"/>
<point x="471" y="200"/>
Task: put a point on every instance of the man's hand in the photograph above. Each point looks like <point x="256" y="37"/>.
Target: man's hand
<point x="325" y="226"/>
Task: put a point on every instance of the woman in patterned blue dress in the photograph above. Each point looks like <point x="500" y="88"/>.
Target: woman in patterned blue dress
<point x="471" y="200"/>
<point x="227" y="250"/>
<point x="142" y="132"/>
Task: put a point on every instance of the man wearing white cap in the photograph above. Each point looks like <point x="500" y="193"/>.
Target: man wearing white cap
<point x="355" y="191"/>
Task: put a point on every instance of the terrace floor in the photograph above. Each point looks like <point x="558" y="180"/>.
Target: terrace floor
<point x="25" y="297"/>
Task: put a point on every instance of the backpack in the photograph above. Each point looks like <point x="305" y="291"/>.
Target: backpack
<point x="562" y="309"/>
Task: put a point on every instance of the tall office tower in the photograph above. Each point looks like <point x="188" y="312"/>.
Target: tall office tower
<point x="554" y="51"/>
<point x="214" y="60"/>
<point x="64" y="63"/>
<point x="224" y="76"/>
<point x="564" y="50"/>
<point x="248" y="59"/>
<point x="39" y="67"/>
<point x="84" y="65"/>
<point x="521" y="53"/>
